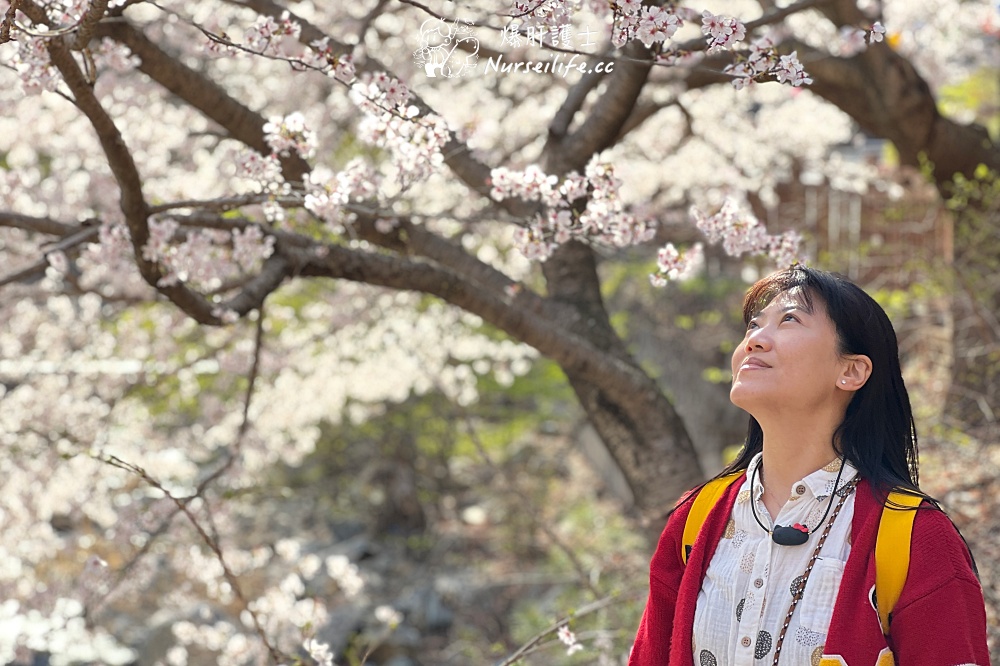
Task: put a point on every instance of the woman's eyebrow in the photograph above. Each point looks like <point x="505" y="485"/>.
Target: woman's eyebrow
<point x="787" y="308"/>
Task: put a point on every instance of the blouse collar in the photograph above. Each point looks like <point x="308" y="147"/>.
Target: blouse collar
<point x="820" y="483"/>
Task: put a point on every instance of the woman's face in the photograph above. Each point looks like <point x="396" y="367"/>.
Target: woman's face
<point x="789" y="359"/>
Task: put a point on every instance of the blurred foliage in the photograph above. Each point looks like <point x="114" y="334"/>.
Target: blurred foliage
<point x="173" y="383"/>
<point x="975" y="392"/>
<point x="979" y="94"/>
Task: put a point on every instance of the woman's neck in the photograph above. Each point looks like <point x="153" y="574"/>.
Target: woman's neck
<point x="791" y="452"/>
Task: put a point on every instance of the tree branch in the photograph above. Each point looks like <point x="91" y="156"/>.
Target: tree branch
<point x="242" y="123"/>
<point x="887" y="97"/>
<point x="769" y="18"/>
<point x="570" y="350"/>
<point x="604" y="122"/>
<point x="473" y="173"/>
<point x="42" y="225"/>
<point x="90" y="20"/>
<point x="574" y="101"/>
<point x="133" y="204"/>
<point x="649" y="441"/>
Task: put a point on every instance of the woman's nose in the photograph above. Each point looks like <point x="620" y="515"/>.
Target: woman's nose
<point x="756" y="339"/>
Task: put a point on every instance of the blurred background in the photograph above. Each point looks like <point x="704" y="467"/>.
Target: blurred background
<point x="356" y="463"/>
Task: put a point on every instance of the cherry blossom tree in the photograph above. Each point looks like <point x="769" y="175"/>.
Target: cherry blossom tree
<point x="312" y="173"/>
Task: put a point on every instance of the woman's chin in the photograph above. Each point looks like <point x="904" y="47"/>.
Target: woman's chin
<point x="745" y="397"/>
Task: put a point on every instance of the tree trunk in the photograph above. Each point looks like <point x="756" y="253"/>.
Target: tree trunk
<point x="640" y="428"/>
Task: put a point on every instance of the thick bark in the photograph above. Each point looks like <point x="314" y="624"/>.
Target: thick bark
<point x="641" y="428"/>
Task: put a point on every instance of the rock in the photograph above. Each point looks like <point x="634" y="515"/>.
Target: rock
<point x="425" y="609"/>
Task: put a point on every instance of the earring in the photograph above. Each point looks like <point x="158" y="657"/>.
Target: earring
<point x="843" y="381"/>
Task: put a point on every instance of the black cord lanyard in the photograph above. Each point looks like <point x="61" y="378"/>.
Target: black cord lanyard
<point x="794" y="535"/>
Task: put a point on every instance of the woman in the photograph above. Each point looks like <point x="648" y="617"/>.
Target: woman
<point x="783" y="567"/>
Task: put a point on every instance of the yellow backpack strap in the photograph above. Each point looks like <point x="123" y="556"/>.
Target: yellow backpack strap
<point x="702" y="504"/>
<point x="892" y="551"/>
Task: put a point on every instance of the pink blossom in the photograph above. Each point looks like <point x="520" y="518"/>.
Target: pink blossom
<point x="34" y="67"/>
<point x="629" y="7"/>
<point x="396" y="92"/>
<point x="722" y="31"/>
<point x="258" y="36"/>
<point x="740" y="232"/>
<point x="573" y="187"/>
<point x="569" y="639"/>
<point x="115" y="56"/>
<point x="57" y="260"/>
<point x="604" y="219"/>
<point x="852" y="41"/>
<point x="288" y="133"/>
<point x="785" y="249"/>
<point x="877" y="32"/>
<point x="271" y="37"/>
<point x="656" y="25"/>
<point x="672" y="264"/>
<point x="789" y="70"/>
<point x="251" y="247"/>
<point x="344" y="69"/>
<point x="161" y="234"/>
<point x="263" y="169"/>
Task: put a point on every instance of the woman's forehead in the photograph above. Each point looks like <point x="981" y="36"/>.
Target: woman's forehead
<point x="796" y="297"/>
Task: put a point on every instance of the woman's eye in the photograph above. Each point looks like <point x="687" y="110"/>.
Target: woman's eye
<point x="751" y="325"/>
<point x="788" y="317"/>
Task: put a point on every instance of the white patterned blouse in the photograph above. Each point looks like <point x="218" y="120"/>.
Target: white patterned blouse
<point x="750" y="581"/>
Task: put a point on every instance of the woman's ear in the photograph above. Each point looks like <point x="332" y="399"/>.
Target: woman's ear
<point x="855" y="372"/>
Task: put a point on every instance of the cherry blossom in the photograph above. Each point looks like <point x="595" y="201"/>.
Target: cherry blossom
<point x="319" y="652"/>
<point x="568" y="638"/>
<point x="656" y="24"/>
<point x="388" y="616"/>
<point x="34" y="67"/>
<point x="877" y="32"/>
<point x="722" y="31"/>
<point x="789" y="70"/>
<point x="268" y="36"/>
<point x="763" y="60"/>
<point x="115" y="56"/>
<point x="852" y="41"/>
<point x="604" y="220"/>
<point x="284" y="134"/>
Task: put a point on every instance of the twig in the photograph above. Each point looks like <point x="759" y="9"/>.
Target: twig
<point x="245" y="423"/>
<point x="8" y="21"/>
<point x="203" y="486"/>
<point x="558" y="542"/>
<point x="584" y="610"/>
<point x="182" y="504"/>
<point x="89" y="21"/>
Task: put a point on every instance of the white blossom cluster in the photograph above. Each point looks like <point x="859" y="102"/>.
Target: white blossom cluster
<point x="722" y="31"/>
<point x="762" y="60"/>
<point x="37" y="73"/>
<point x="205" y="258"/>
<point x="415" y="142"/>
<point x="650" y="25"/>
<point x="604" y="218"/>
<point x="288" y="133"/>
<point x="739" y="231"/>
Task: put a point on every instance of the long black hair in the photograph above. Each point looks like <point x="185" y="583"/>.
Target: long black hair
<point x="878" y="435"/>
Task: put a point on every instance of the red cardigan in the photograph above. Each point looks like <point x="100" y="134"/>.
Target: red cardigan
<point x="939" y="620"/>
